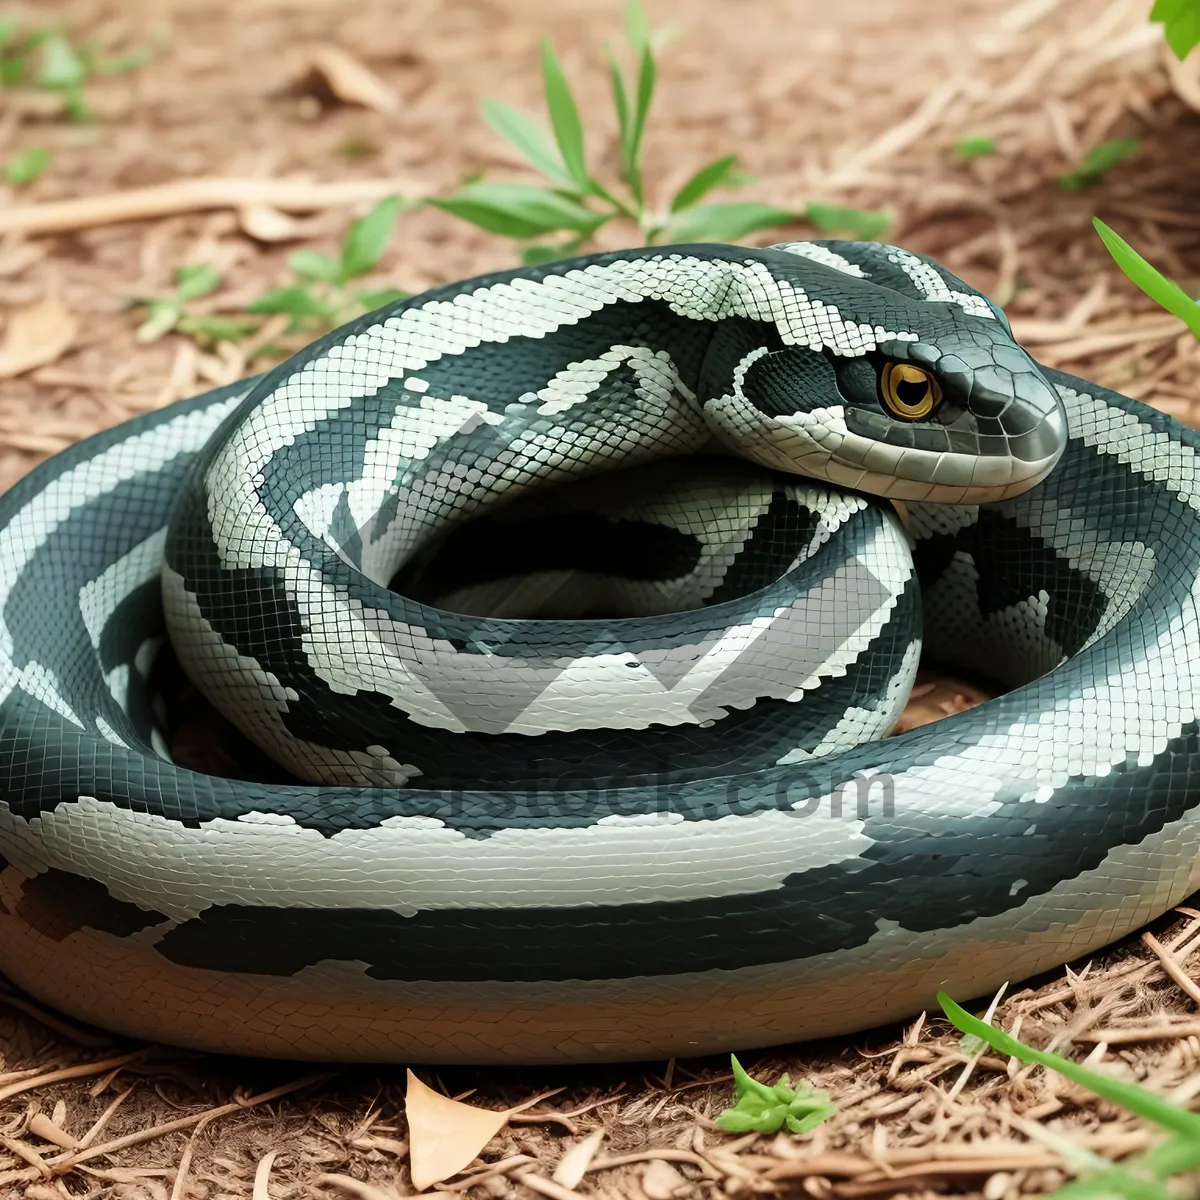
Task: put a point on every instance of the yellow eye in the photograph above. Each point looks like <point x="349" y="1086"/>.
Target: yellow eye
<point x="908" y="391"/>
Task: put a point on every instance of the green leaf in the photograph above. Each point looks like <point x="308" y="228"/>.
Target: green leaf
<point x="534" y="256"/>
<point x="764" y="1109"/>
<point x="162" y="316"/>
<point x="637" y="28"/>
<point x="312" y="264"/>
<point x="9" y="24"/>
<point x="295" y="301"/>
<point x="75" y="105"/>
<point x="62" y="68"/>
<point x="1157" y="286"/>
<point x="564" y="117"/>
<point x="377" y="299"/>
<point x="519" y="210"/>
<point x="368" y="238"/>
<point x="704" y="180"/>
<point x="1099" y="160"/>
<point x="217" y="328"/>
<point x="1181" y="24"/>
<point x="726" y="222"/>
<point x="26" y="165"/>
<point x="1128" y="1095"/>
<point x="862" y="223"/>
<point x="647" y="74"/>
<point x="528" y="135"/>
<point x="974" y="145"/>
<point x="196" y="280"/>
<point x="124" y="62"/>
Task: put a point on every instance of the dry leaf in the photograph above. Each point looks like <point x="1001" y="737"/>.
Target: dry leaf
<point x="17" y="255"/>
<point x="267" y="224"/>
<point x="349" y="1186"/>
<point x="36" y="336"/>
<point x="350" y="81"/>
<point x="660" y="1180"/>
<point x="444" y="1136"/>
<point x="42" y="1126"/>
<point x="573" y="1165"/>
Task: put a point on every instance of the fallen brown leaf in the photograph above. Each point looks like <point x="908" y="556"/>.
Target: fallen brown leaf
<point x="350" y="81"/>
<point x="35" y="336"/>
<point x="661" y="1181"/>
<point x="444" y="1136"/>
<point x="266" y="224"/>
<point x="573" y="1165"/>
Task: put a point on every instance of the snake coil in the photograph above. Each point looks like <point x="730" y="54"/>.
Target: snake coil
<point x="570" y="606"/>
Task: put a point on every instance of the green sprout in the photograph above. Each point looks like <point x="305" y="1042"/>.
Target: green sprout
<point x="26" y="165"/>
<point x="169" y="313"/>
<point x="1099" y="160"/>
<point x="1157" y="286"/>
<point x="1142" y="1178"/>
<point x="764" y="1109"/>
<point x="322" y="297"/>
<point x="48" y="59"/>
<point x="974" y="145"/>
<point x="1181" y="24"/>
<point x="557" y="218"/>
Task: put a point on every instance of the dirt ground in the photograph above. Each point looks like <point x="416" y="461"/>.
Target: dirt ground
<point x="859" y="103"/>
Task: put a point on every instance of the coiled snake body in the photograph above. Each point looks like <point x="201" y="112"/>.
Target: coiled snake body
<point x="595" y="771"/>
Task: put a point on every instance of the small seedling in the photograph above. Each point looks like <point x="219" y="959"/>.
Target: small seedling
<point x="1181" y="24"/>
<point x="165" y="314"/>
<point x="974" y="145"/>
<point x="26" y="165"/>
<point x="49" y="60"/>
<point x="1157" y="286"/>
<point x="323" y="297"/>
<point x="573" y="204"/>
<point x="764" y="1109"/>
<point x="1143" y="1178"/>
<point x="1099" y="160"/>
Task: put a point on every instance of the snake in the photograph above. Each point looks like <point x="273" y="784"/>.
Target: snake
<point x="565" y="614"/>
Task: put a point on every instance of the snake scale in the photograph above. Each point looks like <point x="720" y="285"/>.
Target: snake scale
<point x="571" y="607"/>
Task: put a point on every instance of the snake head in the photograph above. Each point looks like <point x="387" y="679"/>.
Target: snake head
<point x="901" y="380"/>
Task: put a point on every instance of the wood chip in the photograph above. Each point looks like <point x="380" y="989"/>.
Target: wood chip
<point x="36" y="336"/>
<point x="573" y="1165"/>
<point x="266" y="224"/>
<point x="350" y="81"/>
<point x="661" y="1181"/>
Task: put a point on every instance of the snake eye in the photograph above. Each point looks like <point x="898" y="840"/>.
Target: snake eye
<point x="909" y="392"/>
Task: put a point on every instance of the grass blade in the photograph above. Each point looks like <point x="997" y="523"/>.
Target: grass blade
<point x="26" y="165"/>
<point x="1157" y="286"/>
<point x="637" y="28"/>
<point x="564" y="117"/>
<point x="621" y="104"/>
<point x="1128" y="1095"/>
<point x="862" y="223"/>
<point x="528" y="135"/>
<point x="703" y="182"/>
<point x="312" y="264"/>
<point x="368" y="238"/>
<point x="196" y="280"/>
<point x="520" y="210"/>
<point x="726" y="222"/>
<point x="1098" y="160"/>
<point x="647" y="75"/>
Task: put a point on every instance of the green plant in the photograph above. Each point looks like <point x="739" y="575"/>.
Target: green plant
<point x="573" y="204"/>
<point x="864" y="223"/>
<point x="26" y="165"/>
<point x="1099" y="159"/>
<point x="167" y="313"/>
<point x="1181" y="23"/>
<point x="765" y="1109"/>
<point x="322" y="297"/>
<point x="54" y="63"/>
<point x="1142" y="1178"/>
<point x="1157" y="286"/>
<point x="974" y="145"/>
